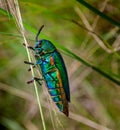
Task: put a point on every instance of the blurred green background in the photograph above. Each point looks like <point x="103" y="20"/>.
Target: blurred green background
<point x="93" y="97"/>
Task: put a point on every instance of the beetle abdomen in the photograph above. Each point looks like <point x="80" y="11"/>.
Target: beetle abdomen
<point x="54" y="82"/>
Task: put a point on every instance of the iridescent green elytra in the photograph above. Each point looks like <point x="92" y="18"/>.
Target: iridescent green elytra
<point x="54" y="72"/>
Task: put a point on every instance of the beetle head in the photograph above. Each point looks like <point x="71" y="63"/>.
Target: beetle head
<point x="44" y="47"/>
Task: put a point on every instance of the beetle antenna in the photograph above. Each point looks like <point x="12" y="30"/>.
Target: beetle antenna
<point x="39" y="32"/>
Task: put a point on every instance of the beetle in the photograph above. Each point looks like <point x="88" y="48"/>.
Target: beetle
<point x="53" y="71"/>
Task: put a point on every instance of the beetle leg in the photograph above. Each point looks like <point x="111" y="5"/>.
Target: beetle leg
<point x="38" y="80"/>
<point x="30" y="47"/>
<point x="32" y="66"/>
<point x="30" y="81"/>
<point x="29" y="63"/>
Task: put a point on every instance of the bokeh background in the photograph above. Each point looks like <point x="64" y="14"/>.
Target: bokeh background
<point x="95" y="99"/>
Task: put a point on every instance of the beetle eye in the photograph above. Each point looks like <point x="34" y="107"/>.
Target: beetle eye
<point x="38" y="45"/>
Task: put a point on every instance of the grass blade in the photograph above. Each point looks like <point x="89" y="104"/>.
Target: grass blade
<point x="100" y="71"/>
<point x="104" y="16"/>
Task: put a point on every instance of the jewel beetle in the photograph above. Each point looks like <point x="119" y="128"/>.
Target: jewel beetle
<point x="53" y="71"/>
